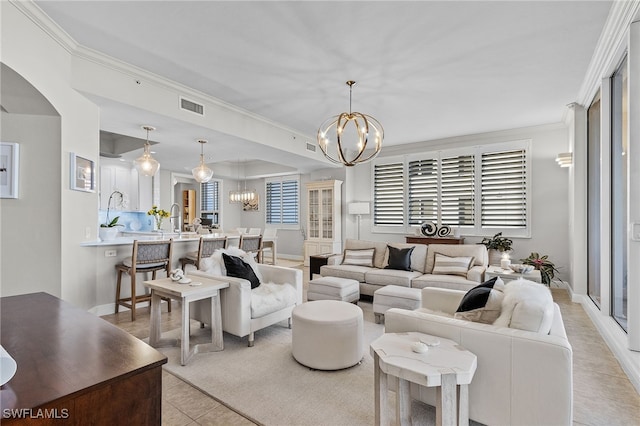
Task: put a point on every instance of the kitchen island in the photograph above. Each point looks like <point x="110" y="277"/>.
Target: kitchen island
<point x="109" y="253"/>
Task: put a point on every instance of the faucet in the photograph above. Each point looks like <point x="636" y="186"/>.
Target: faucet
<point x="175" y="228"/>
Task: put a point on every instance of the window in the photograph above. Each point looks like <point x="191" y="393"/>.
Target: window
<point x="480" y="188"/>
<point x="282" y="201"/>
<point x="504" y="189"/>
<point x="388" y="201"/>
<point x="210" y="202"/>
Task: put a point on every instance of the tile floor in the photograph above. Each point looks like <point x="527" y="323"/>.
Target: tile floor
<point x="603" y="395"/>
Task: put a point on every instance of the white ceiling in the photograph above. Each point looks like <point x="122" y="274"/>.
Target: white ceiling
<point x="424" y="69"/>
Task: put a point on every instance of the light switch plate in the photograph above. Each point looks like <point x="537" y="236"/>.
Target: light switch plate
<point x="110" y="253"/>
<point x="635" y="231"/>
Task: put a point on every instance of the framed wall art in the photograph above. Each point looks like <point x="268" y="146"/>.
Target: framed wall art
<point x="9" y="169"/>
<point x="82" y="174"/>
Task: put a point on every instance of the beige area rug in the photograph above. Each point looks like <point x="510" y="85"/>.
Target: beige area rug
<point x="267" y="385"/>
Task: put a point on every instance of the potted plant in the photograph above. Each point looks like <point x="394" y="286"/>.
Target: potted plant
<point x="543" y="264"/>
<point x="109" y="229"/>
<point x="496" y="245"/>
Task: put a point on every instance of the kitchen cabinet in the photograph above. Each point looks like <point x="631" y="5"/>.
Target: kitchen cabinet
<point x="188" y="207"/>
<point x="114" y="177"/>
<point x="324" y="218"/>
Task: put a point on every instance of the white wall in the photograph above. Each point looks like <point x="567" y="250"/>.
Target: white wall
<point x="34" y="55"/>
<point x="549" y="202"/>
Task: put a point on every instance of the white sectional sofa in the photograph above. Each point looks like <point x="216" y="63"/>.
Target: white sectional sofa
<point x="523" y="377"/>
<point x="421" y="275"/>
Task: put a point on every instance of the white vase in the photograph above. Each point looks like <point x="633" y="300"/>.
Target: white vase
<point x="107" y="234"/>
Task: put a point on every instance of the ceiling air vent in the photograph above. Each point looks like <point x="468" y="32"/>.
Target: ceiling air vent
<point x="188" y="105"/>
<point x="311" y="147"/>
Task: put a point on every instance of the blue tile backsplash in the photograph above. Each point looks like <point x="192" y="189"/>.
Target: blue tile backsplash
<point x="131" y="221"/>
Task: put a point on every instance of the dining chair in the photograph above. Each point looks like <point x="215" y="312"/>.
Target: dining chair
<point x="269" y="238"/>
<point x="147" y="256"/>
<point x="252" y="244"/>
<point x="206" y="247"/>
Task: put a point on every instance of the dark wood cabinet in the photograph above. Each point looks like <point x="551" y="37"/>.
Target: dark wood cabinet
<point x="316" y="261"/>
<point x="417" y="239"/>
<point x="75" y="368"/>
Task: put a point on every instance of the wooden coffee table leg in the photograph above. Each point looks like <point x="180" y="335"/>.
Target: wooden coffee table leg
<point x="446" y="400"/>
<point x="381" y="400"/>
<point x="403" y="403"/>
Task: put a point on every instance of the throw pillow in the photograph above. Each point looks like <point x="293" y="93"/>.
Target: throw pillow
<point x="362" y="257"/>
<point x="482" y="303"/>
<point x="445" y="265"/>
<point x="238" y="268"/>
<point x="399" y="259"/>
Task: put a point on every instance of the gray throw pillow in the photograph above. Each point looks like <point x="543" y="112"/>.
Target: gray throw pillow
<point x="399" y="258"/>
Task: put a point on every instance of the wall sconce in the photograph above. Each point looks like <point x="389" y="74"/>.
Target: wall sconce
<point x="359" y="209"/>
<point x="564" y="159"/>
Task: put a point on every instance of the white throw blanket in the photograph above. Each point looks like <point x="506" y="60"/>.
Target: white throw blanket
<point x="271" y="297"/>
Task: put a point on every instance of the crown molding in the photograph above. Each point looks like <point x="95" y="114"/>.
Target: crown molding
<point x="46" y="24"/>
<point x="53" y="30"/>
<point x="612" y="38"/>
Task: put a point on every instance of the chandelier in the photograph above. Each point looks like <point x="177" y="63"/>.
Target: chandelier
<point x="352" y="144"/>
<point x="242" y="195"/>
<point x="202" y="173"/>
<point x="146" y="165"/>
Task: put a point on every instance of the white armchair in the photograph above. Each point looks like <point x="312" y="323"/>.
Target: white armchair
<point x="238" y="316"/>
<point x="523" y="377"/>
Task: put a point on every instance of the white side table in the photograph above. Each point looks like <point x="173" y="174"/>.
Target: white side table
<point x="509" y="275"/>
<point x="186" y="293"/>
<point x="446" y="366"/>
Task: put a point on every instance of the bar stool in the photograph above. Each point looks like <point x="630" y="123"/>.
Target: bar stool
<point x="206" y="247"/>
<point x="252" y="244"/>
<point x="147" y="256"/>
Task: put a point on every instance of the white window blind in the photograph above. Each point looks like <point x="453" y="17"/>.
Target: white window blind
<point x="479" y="189"/>
<point x="504" y="189"/>
<point x="423" y="191"/>
<point x="282" y="201"/>
<point x="210" y="200"/>
<point x="388" y="201"/>
<point x="457" y="191"/>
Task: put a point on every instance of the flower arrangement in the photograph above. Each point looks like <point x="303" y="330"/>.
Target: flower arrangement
<point x="543" y="264"/>
<point x="159" y="215"/>
<point x="114" y="222"/>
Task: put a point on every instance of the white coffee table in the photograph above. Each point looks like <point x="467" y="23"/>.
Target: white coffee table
<point x="447" y="366"/>
<point x="509" y="275"/>
<point x="186" y="293"/>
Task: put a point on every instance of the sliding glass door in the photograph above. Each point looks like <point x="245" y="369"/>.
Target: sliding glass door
<point x="619" y="190"/>
<point x="594" y="199"/>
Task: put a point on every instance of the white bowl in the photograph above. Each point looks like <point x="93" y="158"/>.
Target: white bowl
<point x="521" y="268"/>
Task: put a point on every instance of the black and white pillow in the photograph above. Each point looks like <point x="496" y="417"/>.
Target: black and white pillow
<point x="238" y="268"/>
<point x="483" y="302"/>
<point x="399" y="258"/>
<point x="445" y="265"/>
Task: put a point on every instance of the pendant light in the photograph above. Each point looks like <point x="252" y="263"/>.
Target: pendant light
<point x="354" y="148"/>
<point x="202" y="173"/>
<point x="242" y="196"/>
<point x="146" y="165"/>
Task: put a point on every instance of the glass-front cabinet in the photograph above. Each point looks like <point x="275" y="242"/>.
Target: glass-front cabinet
<point x="324" y="226"/>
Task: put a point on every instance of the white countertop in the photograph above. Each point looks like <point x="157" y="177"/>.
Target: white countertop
<point x="125" y="238"/>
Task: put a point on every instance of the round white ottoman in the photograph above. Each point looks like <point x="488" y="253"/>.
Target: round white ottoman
<point x="327" y="334"/>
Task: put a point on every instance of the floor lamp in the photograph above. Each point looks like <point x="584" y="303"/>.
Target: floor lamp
<point x="358" y="208"/>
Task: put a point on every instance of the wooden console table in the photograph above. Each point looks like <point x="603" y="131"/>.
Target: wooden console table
<point x="75" y="367"/>
<point x="417" y="239"/>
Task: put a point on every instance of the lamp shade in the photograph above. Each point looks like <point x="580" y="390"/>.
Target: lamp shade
<point x="358" y="208"/>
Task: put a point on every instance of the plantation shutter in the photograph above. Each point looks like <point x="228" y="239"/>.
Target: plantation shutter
<point x="504" y="189"/>
<point x="457" y="193"/>
<point x="388" y="201"/>
<point x="282" y="201"/>
<point x="423" y="191"/>
<point x="209" y="196"/>
<point x="290" y="202"/>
